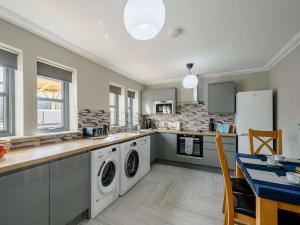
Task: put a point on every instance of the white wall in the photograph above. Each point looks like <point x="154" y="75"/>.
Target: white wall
<point x="93" y="80"/>
<point x="285" y="80"/>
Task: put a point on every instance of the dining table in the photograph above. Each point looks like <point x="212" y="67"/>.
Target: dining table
<point x="272" y="190"/>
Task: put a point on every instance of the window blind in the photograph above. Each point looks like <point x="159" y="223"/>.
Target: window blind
<point x="47" y="70"/>
<point x="115" y="90"/>
<point x="8" y="59"/>
<point x="131" y="94"/>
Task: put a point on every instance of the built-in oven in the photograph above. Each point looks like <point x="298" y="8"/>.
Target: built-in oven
<point x="164" y="107"/>
<point x="190" y="145"/>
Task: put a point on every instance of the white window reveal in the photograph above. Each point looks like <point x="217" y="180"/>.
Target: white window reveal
<point x="114" y="109"/>
<point x="131" y="107"/>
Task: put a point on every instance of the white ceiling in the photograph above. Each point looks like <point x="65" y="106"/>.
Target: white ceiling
<point x="219" y="36"/>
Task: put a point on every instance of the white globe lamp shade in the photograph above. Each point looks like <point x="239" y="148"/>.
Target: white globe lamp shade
<point x="190" y="81"/>
<point x="144" y="19"/>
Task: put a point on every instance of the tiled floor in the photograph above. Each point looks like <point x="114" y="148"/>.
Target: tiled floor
<point x="168" y="195"/>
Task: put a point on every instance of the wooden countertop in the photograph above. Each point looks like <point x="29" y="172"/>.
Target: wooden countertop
<point x="26" y="157"/>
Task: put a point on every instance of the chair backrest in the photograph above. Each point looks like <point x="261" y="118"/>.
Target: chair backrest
<point x="229" y="215"/>
<point x="265" y="137"/>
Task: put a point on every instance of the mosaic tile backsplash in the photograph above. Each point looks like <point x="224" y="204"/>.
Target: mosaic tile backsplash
<point x="193" y="117"/>
<point x="92" y="117"/>
<point x="41" y="139"/>
<point x="96" y="117"/>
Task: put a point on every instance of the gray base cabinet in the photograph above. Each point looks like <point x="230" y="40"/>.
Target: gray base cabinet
<point x="69" y="188"/>
<point x="167" y="146"/>
<point x="210" y="151"/>
<point x="24" y="197"/>
<point x="153" y="147"/>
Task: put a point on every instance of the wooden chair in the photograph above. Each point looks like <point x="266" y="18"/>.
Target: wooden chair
<point x="261" y="135"/>
<point x="239" y="208"/>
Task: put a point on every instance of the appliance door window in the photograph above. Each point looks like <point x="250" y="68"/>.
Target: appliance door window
<point x="164" y="108"/>
<point x="197" y="146"/>
<point x="107" y="175"/>
<point x="132" y="163"/>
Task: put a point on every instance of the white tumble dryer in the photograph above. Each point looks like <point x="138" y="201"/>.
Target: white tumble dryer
<point x="104" y="178"/>
<point x="129" y="165"/>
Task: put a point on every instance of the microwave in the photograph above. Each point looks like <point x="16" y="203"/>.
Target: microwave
<point x="164" y="107"/>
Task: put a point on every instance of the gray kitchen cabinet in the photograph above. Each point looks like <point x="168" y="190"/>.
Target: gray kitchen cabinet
<point x="164" y="94"/>
<point x="211" y="158"/>
<point x="147" y="102"/>
<point x="225" y="140"/>
<point x="149" y="96"/>
<point x="227" y="147"/>
<point x="221" y="98"/>
<point x="153" y="147"/>
<point x="69" y="188"/>
<point x="210" y="153"/>
<point x="167" y="146"/>
<point x="24" y="197"/>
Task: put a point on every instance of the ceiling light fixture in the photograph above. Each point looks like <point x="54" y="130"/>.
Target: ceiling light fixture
<point x="144" y="19"/>
<point x="190" y="81"/>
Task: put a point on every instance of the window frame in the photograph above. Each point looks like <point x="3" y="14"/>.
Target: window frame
<point x="130" y="109"/>
<point x="9" y="114"/>
<point x="66" y="107"/>
<point x="116" y="107"/>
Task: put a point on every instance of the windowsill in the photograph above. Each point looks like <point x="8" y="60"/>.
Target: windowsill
<point x="16" y="138"/>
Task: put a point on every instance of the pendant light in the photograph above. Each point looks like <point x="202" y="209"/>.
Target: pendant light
<point x="144" y="19"/>
<point x="190" y="81"/>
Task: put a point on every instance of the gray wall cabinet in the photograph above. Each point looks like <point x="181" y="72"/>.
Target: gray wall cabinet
<point x="221" y="98"/>
<point x="24" y="197"/>
<point x="69" y="188"/>
<point x="147" y="102"/>
<point x="149" y="96"/>
<point x="164" y="94"/>
<point x="153" y="147"/>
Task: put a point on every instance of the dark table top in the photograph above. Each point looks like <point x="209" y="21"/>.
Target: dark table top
<point x="277" y="191"/>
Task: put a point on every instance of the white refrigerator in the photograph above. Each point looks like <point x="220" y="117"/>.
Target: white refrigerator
<point x="254" y="110"/>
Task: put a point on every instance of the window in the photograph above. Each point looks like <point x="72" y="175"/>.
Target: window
<point x="52" y="98"/>
<point x="8" y="65"/>
<point x="114" y="93"/>
<point x="6" y="101"/>
<point x="130" y="107"/>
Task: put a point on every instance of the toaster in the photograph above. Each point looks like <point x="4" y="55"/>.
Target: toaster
<point x="95" y="132"/>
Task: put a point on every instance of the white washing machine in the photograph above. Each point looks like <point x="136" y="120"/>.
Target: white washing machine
<point x="105" y="172"/>
<point x="144" y="150"/>
<point x="129" y="165"/>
